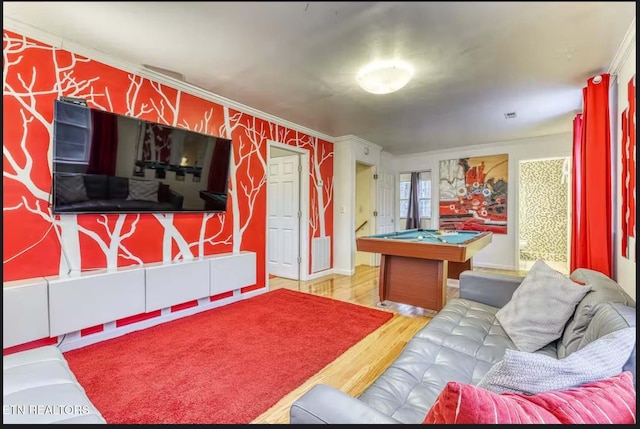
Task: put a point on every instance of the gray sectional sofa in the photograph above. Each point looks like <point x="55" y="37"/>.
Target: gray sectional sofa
<point x="461" y="343"/>
<point x="39" y="387"/>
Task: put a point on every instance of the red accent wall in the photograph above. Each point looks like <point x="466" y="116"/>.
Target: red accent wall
<point x="36" y="74"/>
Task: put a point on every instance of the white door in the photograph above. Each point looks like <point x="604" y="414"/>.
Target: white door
<point x="385" y="221"/>
<point x="283" y="235"/>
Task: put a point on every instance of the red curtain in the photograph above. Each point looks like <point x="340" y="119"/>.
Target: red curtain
<point x="104" y="143"/>
<point x="219" y="169"/>
<point x="591" y="225"/>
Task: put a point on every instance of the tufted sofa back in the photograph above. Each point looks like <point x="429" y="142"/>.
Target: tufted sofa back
<point x="606" y="308"/>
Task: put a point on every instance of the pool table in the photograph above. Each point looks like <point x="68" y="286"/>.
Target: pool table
<point x="416" y="263"/>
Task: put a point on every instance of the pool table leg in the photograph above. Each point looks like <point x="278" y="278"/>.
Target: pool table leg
<point x="382" y="285"/>
<point x="413" y="281"/>
<point x="455" y="268"/>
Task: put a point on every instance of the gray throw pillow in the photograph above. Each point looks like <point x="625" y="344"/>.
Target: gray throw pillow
<point x="533" y="373"/>
<point x="70" y="189"/>
<point x="143" y="190"/>
<point x="540" y="307"/>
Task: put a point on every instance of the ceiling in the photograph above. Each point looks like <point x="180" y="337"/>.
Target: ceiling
<point x="474" y="61"/>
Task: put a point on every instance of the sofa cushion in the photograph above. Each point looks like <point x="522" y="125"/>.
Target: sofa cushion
<point x="97" y="186"/>
<point x="70" y="189"/>
<point x="39" y="387"/>
<point x="143" y="190"/>
<point x="118" y="188"/>
<point x="540" y="307"/>
<point x="532" y="373"/>
<point x="610" y="317"/>
<point x="603" y="289"/>
<point x="610" y="401"/>
<point x="461" y="343"/>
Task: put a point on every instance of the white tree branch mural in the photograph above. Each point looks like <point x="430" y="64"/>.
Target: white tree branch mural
<point x="202" y="126"/>
<point x="249" y="143"/>
<point x="211" y="239"/>
<point x="324" y="188"/>
<point x="132" y="98"/>
<point x="171" y="107"/>
<point x="37" y="201"/>
<point x="115" y="236"/>
<point x="31" y="90"/>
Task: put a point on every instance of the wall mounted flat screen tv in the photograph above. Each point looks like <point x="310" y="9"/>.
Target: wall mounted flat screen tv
<point x="109" y="163"/>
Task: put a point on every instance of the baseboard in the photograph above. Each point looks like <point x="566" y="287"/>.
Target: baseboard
<point x="344" y="272"/>
<point x="74" y="341"/>
<point x="453" y="283"/>
<point x="495" y="266"/>
<point x="320" y="274"/>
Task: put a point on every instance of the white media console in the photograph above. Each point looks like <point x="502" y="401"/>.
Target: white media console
<point x="51" y="306"/>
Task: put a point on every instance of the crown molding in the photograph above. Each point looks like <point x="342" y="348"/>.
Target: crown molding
<point x="480" y="146"/>
<point x="58" y="42"/>
<point x="351" y="137"/>
<point x="624" y="49"/>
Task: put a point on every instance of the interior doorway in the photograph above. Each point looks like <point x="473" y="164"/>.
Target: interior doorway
<point x="365" y="208"/>
<point x="544" y="212"/>
<point x="284" y="213"/>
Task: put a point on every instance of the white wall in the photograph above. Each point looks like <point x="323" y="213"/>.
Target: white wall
<point x="502" y="252"/>
<point x="363" y="208"/>
<point x="348" y="150"/>
<point x="387" y="162"/>
<point x="624" y="269"/>
<point x="343" y="202"/>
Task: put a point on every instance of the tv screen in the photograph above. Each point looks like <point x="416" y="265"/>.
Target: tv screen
<point x="109" y="163"/>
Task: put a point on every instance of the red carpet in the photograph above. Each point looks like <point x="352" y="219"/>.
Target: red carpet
<point x="225" y="365"/>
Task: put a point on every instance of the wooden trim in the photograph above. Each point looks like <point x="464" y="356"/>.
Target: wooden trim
<point x="361" y="226"/>
<point x="477" y="244"/>
<point x="423" y="250"/>
<point x="455" y="268"/>
<point x="382" y="290"/>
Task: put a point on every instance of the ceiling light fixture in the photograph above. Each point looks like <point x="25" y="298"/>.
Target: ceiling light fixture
<point x="384" y="77"/>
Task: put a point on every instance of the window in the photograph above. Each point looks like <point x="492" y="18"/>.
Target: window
<point x="72" y="134"/>
<point x="424" y="194"/>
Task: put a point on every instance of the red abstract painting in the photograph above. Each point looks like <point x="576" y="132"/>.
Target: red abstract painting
<point x="473" y="193"/>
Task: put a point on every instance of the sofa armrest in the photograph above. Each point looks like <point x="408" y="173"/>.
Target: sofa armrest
<point x="488" y="288"/>
<point x="325" y="405"/>
<point x="41" y="377"/>
<point x="175" y="199"/>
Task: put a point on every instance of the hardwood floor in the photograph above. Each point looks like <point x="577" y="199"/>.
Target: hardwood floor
<point x="359" y="366"/>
